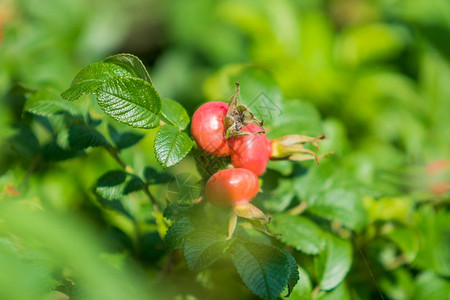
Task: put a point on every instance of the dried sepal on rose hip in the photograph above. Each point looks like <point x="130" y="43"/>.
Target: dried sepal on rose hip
<point x="214" y="122"/>
<point x="291" y="147"/>
<point x="235" y="188"/>
<point x="222" y="129"/>
<point x="238" y="116"/>
<point x="253" y="152"/>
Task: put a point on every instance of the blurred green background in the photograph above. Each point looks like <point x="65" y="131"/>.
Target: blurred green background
<point x="374" y="76"/>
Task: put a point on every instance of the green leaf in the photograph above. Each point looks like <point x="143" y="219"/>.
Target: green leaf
<point x="131" y="101"/>
<point x="332" y="194"/>
<point x="128" y="139"/>
<point x="171" y="145"/>
<point x="341" y="205"/>
<point x="298" y="232"/>
<point x="53" y="152"/>
<point x="125" y="139"/>
<point x="397" y="209"/>
<point x="82" y="137"/>
<point x="296" y="117"/>
<point x="152" y="176"/>
<point x="341" y="292"/>
<point x="116" y="184"/>
<point x="176" y="234"/>
<point x="184" y="188"/>
<point x="131" y="64"/>
<point x="202" y="248"/>
<point x="264" y="270"/>
<point x="293" y="275"/>
<point x="89" y="79"/>
<point x="432" y="33"/>
<point x="433" y="228"/>
<point x="48" y="103"/>
<point x="279" y="198"/>
<point x="207" y="164"/>
<point x="174" y="113"/>
<point x="303" y="290"/>
<point x="430" y="286"/>
<point x="25" y="142"/>
<point x="123" y="88"/>
<point x="397" y="284"/>
<point x="176" y="211"/>
<point x="115" y="205"/>
<point x="333" y="263"/>
<point x="406" y="239"/>
<point x="284" y="167"/>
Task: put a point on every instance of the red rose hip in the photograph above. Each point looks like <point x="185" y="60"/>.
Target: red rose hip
<point x="251" y="152"/>
<point x="208" y="130"/>
<point x="232" y="187"/>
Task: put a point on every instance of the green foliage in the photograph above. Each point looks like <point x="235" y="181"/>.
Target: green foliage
<point x="130" y="101"/>
<point x="406" y="239"/>
<point x="83" y="136"/>
<point x="171" y="145"/>
<point x="202" y="248"/>
<point x="125" y="139"/>
<point x="297" y="116"/>
<point x="131" y="64"/>
<point x="303" y="290"/>
<point x="294" y="275"/>
<point x="279" y="198"/>
<point x="434" y="232"/>
<point x="40" y="270"/>
<point x="207" y="164"/>
<point x="299" y="232"/>
<point x="262" y="268"/>
<point x="333" y="264"/>
<point x="431" y="286"/>
<point x="47" y="103"/>
<point x="115" y="184"/>
<point x="331" y="195"/>
<point x="176" y="234"/>
<point x="174" y="113"/>
<point x="338" y="293"/>
<point x="370" y="222"/>
<point x="123" y="88"/>
<point x="265" y="270"/>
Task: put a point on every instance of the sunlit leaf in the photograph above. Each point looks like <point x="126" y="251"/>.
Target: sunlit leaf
<point x="299" y="232"/>
<point x="130" y="63"/>
<point x="174" y="113"/>
<point x="333" y="263"/>
<point x="130" y="101"/>
<point x="171" y="145"/>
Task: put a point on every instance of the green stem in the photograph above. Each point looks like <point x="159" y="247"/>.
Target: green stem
<point x="299" y="209"/>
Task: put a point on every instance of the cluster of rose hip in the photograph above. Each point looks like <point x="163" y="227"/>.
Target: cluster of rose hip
<point x="229" y="129"/>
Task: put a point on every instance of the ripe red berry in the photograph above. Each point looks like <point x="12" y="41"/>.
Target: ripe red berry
<point x="251" y="152"/>
<point x="208" y="129"/>
<point x="232" y="187"/>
